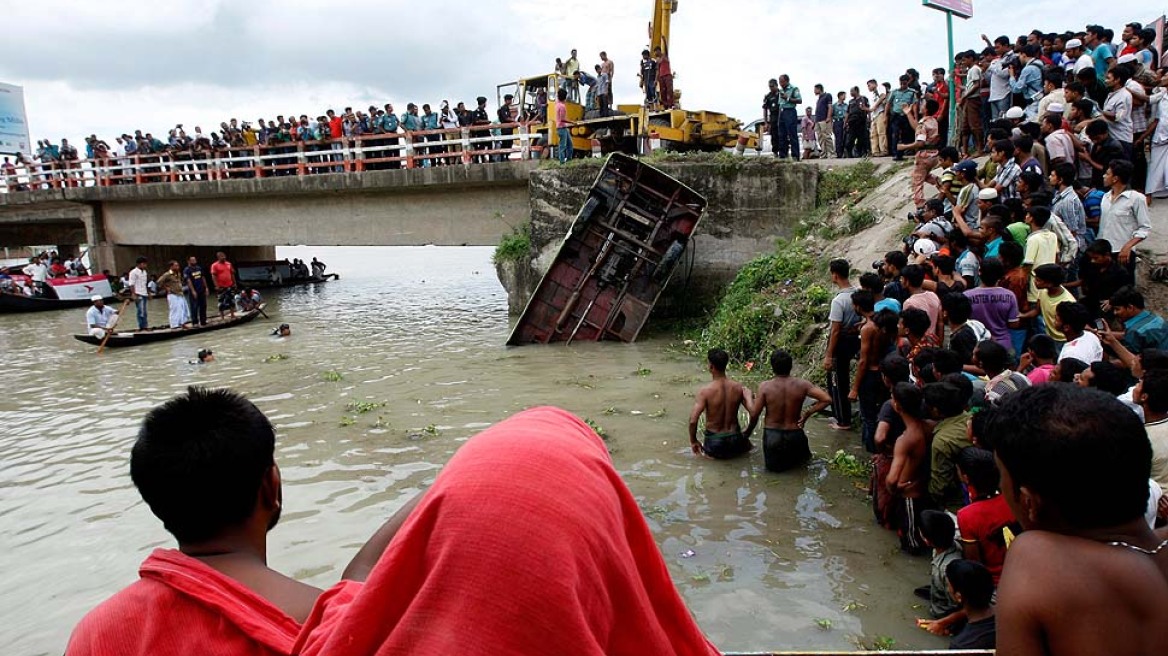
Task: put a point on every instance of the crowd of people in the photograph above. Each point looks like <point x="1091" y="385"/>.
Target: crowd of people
<point x="1007" y="89"/>
<point x="328" y="134"/>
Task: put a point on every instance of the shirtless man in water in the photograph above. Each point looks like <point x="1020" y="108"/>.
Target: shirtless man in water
<point x="784" y="444"/>
<point x="908" y="478"/>
<point x="1087" y="576"/>
<point x="720" y="401"/>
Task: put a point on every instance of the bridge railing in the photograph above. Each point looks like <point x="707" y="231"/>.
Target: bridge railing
<point x="465" y="146"/>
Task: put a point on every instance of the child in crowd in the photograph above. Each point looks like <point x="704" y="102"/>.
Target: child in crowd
<point x="972" y="585"/>
<point x="1039" y="359"/>
<point x="986" y="524"/>
<point x="1049" y="278"/>
<point x="939" y="532"/>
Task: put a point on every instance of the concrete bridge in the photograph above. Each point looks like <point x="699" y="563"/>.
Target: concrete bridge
<point x="447" y="206"/>
<point x="752" y="202"/>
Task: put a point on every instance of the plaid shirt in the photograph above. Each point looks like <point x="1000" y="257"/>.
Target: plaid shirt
<point x="1007" y="179"/>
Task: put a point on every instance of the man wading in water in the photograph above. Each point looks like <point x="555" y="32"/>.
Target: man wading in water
<point x="784" y="444"/>
<point x="720" y="401"/>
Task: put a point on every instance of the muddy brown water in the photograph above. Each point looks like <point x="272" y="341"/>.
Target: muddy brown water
<point x="790" y="561"/>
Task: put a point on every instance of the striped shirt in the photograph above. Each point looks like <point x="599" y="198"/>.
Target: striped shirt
<point x="1069" y="208"/>
<point x="1007" y="179"/>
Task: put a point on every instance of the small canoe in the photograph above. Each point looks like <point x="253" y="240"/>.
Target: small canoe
<point x="140" y="337"/>
<point x="290" y="282"/>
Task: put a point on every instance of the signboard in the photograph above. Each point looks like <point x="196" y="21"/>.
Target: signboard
<point x="962" y="8"/>
<point x="13" y="123"/>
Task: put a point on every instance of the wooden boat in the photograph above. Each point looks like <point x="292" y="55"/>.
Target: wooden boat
<point x="62" y="293"/>
<point x="140" y="337"/>
<point x="616" y="259"/>
<point x="275" y="274"/>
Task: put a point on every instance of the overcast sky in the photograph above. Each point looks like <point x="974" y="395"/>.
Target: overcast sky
<point x="117" y="65"/>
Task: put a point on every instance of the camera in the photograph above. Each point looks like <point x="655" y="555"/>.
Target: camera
<point x="917" y="216"/>
<point x="878" y="265"/>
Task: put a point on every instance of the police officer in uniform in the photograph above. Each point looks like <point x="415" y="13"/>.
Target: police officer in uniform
<point x="788" y="135"/>
<point x="480" y="117"/>
<point x="506" y="115"/>
<point x="770" y="115"/>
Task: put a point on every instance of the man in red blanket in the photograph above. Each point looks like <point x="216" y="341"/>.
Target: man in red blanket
<point x="204" y="463"/>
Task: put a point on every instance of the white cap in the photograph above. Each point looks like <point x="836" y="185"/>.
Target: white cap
<point x="1129" y="57"/>
<point x="925" y="247"/>
<point x="989" y="193"/>
<point x="96" y="297"/>
<point x="1055" y="108"/>
<point x="1073" y="43"/>
<point x="1015" y="113"/>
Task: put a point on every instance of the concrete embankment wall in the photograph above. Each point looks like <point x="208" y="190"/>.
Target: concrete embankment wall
<point x="751" y="203"/>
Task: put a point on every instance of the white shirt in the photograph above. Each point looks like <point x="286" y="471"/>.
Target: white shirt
<point x="999" y="80"/>
<point x="140" y="281"/>
<point x="95" y="318"/>
<point x="1159" y="103"/>
<point x="1119" y="103"/>
<point x="37" y="271"/>
<point x="1124" y="218"/>
<point x="1083" y="62"/>
<point x="1085" y="347"/>
<point x="1158" y="436"/>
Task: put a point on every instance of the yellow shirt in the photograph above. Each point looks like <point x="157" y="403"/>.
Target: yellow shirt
<point x="1047" y="304"/>
<point x="1041" y="248"/>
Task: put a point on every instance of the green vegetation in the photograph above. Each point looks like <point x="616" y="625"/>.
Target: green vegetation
<point x="772" y="303"/>
<point x="333" y="376"/>
<point x="515" y="246"/>
<point x="347" y="421"/>
<point x="883" y="643"/>
<point x="361" y="407"/>
<point x="275" y="358"/>
<point x="849" y="465"/>
<point x="643" y="370"/>
<point x="431" y="430"/>
<point x="657" y="414"/>
<point x="597" y="428"/>
<point x="823" y="623"/>
<point x="853" y="181"/>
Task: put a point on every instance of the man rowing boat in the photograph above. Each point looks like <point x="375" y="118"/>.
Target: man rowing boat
<point x="100" y="318"/>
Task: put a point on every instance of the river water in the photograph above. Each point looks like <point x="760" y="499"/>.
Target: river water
<point x="779" y="561"/>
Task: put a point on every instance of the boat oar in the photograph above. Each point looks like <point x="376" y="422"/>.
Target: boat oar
<point x="109" y="330"/>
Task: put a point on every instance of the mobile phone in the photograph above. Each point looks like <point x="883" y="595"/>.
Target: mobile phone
<point x="1100" y="324"/>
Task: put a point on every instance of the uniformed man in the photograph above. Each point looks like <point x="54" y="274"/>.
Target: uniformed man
<point x="506" y="114"/>
<point x="770" y="114"/>
<point x="480" y="117"/>
<point x="649" y="78"/>
<point x="788" y="134"/>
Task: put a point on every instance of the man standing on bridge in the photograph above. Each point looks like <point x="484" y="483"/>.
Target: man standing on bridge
<point x="223" y="280"/>
<point x="788" y="119"/>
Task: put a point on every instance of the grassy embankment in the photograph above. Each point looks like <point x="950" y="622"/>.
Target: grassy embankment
<point x="779" y="300"/>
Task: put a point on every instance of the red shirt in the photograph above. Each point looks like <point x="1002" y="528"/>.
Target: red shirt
<point x="223" y="274"/>
<point x="182" y="607"/>
<point x="561" y="115"/>
<point x="983" y="522"/>
<point x="663" y="67"/>
<point x="335" y="129"/>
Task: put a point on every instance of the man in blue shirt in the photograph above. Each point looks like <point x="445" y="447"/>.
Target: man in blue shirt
<point x="1028" y="82"/>
<point x="1142" y="328"/>
<point x="839" y="112"/>
<point x="389" y="125"/>
<point x="1101" y="52"/>
<point x="899" y="129"/>
<point x="789" y="98"/>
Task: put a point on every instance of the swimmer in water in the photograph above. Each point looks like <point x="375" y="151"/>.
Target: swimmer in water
<point x="204" y="356"/>
<point x="283" y="331"/>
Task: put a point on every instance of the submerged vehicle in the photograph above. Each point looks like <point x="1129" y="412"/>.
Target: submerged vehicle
<point x="618" y="256"/>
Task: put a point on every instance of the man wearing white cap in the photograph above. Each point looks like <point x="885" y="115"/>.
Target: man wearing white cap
<point x="100" y="318"/>
<point x="1052" y="88"/>
<point x="1076" y="57"/>
<point x="1060" y="145"/>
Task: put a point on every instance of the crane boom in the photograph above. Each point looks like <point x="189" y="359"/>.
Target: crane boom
<point x="663" y="11"/>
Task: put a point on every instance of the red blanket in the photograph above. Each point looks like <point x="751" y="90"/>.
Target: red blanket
<point x="181" y="607"/>
<point x="528" y="543"/>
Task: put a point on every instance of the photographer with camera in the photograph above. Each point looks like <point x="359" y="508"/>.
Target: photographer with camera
<point x="889" y="270"/>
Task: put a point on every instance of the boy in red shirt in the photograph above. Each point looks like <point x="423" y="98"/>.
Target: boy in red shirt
<point x="984" y="523"/>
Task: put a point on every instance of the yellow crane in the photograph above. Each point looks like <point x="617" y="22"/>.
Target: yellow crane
<point x="629" y="128"/>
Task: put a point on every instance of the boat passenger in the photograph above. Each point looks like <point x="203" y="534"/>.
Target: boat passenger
<point x="100" y="318"/>
<point x="204" y="462"/>
<point x="318" y="268"/>
<point x="720" y="401"/>
<point x="172" y="283"/>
